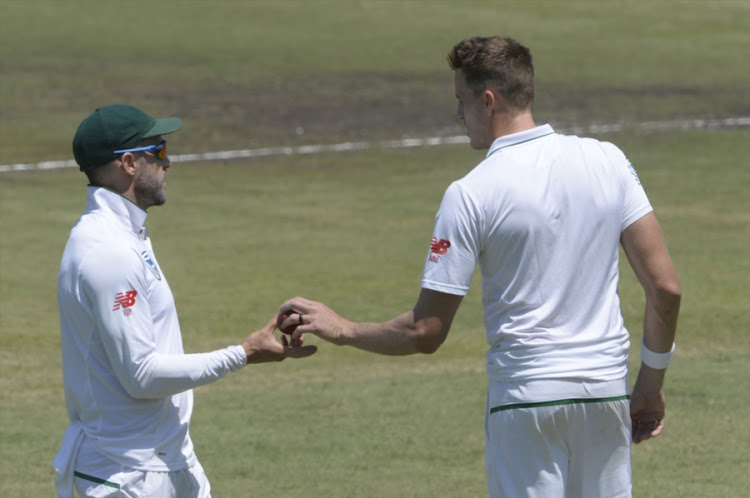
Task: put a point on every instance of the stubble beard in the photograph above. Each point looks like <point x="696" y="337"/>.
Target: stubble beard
<point x="150" y="191"/>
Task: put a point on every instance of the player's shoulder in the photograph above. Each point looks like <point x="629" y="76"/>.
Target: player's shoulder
<point x="93" y="229"/>
<point x="590" y="143"/>
<point x="103" y="246"/>
<point x="611" y="149"/>
<point x="598" y="151"/>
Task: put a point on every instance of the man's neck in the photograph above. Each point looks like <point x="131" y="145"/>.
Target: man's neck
<point x="508" y="124"/>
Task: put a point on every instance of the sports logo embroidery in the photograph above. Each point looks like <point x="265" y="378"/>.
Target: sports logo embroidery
<point x="125" y="300"/>
<point x="150" y="265"/>
<point x="438" y="248"/>
<point x="632" y="170"/>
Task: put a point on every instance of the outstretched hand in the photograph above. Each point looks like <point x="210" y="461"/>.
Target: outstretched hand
<point x="262" y="346"/>
<point x="299" y="316"/>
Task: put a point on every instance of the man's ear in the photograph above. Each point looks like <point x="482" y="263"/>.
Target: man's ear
<point x="494" y="102"/>
<point x="490" y="99"/>
<point x="128" y="164"/>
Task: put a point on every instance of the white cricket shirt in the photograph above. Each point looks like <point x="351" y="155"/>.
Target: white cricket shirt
<point x="127" y="380"/>
<point x="542" y="216"/>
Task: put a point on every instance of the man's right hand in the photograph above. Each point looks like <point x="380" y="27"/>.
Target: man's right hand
<point x="262" y="346"/>
<point x="303" y="316"/>
<point x="647" y="404"/>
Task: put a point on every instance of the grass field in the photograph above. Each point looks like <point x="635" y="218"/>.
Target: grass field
<point x="236" y="238"/>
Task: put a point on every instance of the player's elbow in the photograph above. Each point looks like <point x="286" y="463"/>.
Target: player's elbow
<point x="142" y="382"/>
<point x="140" y="388"/>
<point x="667" y="295"/>
<point x="428" y="346"/>
<point x="669" y="290"/>
<point x="428" y="340"/>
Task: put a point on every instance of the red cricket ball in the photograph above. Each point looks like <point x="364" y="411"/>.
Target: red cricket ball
<point x="289" y="329"/>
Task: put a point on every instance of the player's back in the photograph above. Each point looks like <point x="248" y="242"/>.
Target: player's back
<point x="553" y="210"/>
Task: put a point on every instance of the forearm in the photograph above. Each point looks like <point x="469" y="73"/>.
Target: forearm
<point x="420" y="330"/>
<point x="659" y="329"/>
<point x="158" y="375"/>
<point x="647" y="402"/>
<point x="396" y="337"/>
<point x="660" y="321"/>
<point x="645" y="248"/>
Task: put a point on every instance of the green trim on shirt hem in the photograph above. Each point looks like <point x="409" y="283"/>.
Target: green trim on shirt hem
<point x="96" y="480"/>
<point x="572" y="401"/>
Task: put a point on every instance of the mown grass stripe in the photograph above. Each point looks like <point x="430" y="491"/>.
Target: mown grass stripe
<point x="558" y="402"/>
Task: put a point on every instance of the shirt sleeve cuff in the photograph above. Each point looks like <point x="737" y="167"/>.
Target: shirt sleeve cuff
<point x="239" y="357"/>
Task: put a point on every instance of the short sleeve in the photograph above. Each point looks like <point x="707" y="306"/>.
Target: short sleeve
<point x="455" y="244"/>
<point x="635" y="204"/>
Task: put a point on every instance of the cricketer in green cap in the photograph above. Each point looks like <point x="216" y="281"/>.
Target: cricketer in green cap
<point x="127" y="382"/>
<point x="115" y="127"/>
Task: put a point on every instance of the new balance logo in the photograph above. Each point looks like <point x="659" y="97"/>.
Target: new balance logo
<point x="439" y="246"/>
<point x="124" y="300"/>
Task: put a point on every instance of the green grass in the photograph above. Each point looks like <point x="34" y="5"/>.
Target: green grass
<point x="237" y="238"/>
<point x="244" y="71"/>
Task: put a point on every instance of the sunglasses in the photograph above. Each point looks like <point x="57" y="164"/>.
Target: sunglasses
<point x="159" y="150"/>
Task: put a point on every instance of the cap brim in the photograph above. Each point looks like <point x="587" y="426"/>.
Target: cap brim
<point x="164" y="127"/>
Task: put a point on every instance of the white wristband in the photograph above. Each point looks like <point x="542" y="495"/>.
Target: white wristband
<point x="657" y="361"/>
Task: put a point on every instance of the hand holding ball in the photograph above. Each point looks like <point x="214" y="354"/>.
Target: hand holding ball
<point x="289" y="329"/>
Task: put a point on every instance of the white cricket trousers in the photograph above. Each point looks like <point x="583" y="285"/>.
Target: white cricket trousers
<point x="100" y="478"/>
<point x="566" y="448"/>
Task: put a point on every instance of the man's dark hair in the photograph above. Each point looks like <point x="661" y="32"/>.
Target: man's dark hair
<point x="500" y="63"/>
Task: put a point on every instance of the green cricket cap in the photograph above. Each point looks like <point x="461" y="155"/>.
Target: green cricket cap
<point x="115" y="127"/>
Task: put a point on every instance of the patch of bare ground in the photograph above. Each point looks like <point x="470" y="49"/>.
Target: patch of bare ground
<point x="375" y="106"/>
<point x="330" y="108"/>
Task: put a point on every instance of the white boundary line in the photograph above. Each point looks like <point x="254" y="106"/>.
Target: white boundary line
<point x="695" y="124"/>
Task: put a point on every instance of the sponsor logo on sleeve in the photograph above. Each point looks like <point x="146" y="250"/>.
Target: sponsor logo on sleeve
<point x="124" y="301"/>
<point x="438" y="248"/>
